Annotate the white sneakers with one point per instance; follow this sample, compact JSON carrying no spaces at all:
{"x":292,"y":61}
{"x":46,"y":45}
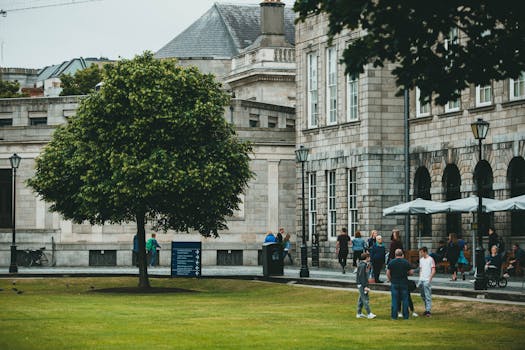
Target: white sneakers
{"x":370,"y":316}
{"x":360,"y":316}
{"x":414,"y":314}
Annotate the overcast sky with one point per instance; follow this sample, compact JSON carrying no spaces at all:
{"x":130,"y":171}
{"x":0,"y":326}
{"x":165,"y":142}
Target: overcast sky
{"x":38,"y":37}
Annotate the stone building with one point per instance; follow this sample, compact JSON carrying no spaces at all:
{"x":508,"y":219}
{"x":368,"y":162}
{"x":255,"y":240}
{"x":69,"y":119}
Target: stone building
{"x":355,"y":127}
{"x":263,"y":115}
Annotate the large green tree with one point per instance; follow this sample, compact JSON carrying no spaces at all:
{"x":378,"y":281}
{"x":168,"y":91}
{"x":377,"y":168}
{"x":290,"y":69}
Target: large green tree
{"x":82,"y":82}
{"x":412,"y":34}
{"x":151,"y":146}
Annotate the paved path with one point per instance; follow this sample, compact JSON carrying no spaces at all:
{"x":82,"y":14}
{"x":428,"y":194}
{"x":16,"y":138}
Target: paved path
{"x":515,"y":291}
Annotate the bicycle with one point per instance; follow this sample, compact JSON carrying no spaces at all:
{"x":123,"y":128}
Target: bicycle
{"x":30,"y":257}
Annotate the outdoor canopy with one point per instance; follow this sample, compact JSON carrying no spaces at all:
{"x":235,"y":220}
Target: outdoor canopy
{"x":463,"y":205}
{"x":514,"y":203}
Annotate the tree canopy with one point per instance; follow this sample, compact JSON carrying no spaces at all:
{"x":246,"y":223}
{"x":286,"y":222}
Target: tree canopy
{"x":9,"y":89}
{"x":82,"y":82}
{"x":416,"y":36}
{"x":151,"y":146}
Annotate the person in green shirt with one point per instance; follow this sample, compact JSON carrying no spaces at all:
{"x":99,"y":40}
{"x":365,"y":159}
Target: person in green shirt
{"x":151,"y":249}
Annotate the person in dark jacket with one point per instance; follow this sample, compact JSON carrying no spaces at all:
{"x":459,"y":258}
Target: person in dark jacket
{"x":452,"y":254}
{"x":377,"y":255}
{"x":361,"y":278}
{"x":395,"y":243}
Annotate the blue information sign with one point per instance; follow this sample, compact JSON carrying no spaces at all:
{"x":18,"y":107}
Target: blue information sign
{"x":186,"y":259}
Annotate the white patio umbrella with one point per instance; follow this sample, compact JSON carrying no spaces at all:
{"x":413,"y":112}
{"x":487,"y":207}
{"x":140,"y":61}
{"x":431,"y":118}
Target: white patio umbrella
{"x":514,"y":203}
{"x":417,"y":206}
{"x":464,"y":205}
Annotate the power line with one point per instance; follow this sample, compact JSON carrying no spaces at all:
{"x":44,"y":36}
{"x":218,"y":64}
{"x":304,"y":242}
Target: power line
{"x":4,"y":13}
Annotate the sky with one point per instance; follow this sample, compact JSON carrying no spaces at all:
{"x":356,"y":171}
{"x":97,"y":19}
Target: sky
{"x":37,"y":37}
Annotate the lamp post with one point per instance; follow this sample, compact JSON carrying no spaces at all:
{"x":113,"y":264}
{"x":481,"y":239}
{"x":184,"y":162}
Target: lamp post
{"x":15,"y":162}
{"x":301,"y":155}
{"x":480,"y":129}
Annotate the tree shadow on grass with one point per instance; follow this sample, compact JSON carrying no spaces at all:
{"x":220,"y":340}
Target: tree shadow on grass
{"x":140,"y":290}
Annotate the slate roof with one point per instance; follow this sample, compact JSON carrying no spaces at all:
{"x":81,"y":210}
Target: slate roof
{"x":67,"y":67}
{"x":222,"y":32}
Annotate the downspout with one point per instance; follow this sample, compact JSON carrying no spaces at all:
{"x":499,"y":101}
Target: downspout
{"x":407,"y":166}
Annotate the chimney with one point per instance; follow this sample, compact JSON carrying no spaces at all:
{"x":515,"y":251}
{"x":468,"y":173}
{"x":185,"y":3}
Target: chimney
{"x":272,"y":17}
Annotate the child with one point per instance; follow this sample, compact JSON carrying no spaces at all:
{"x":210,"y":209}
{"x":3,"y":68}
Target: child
{"x":362,"y":284}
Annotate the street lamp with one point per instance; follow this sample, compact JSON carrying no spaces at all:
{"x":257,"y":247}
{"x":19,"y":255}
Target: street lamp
{"x":480,"y":129}
{"x":301,"y":155}
{"x":15,"y":162}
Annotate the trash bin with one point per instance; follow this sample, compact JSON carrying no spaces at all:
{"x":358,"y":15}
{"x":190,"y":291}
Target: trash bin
{"x":272,"y":259}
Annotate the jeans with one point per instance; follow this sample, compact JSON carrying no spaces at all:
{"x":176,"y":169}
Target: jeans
{"x":153,"y":257}
{"x":426,"y":294}
{"x":399,"y":292}
{"x":363,"y":301}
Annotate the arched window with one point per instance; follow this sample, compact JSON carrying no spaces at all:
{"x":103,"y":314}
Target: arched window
{"x":483,"y":181}
{"x":422,"y":190}
{"x":452,"y":190}
{"x":516,"y":179}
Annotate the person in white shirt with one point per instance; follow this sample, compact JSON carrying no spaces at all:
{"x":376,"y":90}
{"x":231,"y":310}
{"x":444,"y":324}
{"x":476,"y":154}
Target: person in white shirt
{"x":427,"y":270}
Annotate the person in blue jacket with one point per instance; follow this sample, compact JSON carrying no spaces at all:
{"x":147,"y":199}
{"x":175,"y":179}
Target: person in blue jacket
{"x":358,"y":247}
{"x":270,"y":238}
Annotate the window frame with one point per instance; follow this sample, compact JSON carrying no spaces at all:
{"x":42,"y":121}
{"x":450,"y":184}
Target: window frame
{"x":352,"y":98}
{"x":512,"y":82}
{"x":479,"y":88}
{"x":312,"y":204}
{"x":419,"y":106}
{"x":312,"y":94}
{"x":331,"y":199}
{"x":331,"y":85}
{"x":353,"y":220}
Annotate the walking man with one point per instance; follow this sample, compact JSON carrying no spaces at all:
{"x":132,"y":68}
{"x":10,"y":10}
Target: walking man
{"x":397,"y":273}
{"x":427,"y":270}
{"x":341,"y":248}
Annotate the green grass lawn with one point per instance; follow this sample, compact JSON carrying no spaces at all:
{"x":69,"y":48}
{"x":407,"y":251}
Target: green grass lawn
{"x":64,"y":313}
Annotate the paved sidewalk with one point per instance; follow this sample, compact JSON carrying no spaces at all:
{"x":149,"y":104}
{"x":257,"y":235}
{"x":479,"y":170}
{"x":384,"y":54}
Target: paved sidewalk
{"x":515,"y":291}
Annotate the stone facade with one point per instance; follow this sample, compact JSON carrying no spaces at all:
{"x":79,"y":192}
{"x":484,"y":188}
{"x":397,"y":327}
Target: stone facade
{"x":357,"y":151}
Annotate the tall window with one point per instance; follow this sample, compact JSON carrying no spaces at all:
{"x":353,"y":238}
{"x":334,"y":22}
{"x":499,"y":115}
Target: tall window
{"x":422,"y":190}
{"x":332,"y":213}
{"x":483,"y":95}
{"x":422,"y":107}
{"x":312,"y":207}
{"x":352,"y":201}
{"x":331,"y":85}
{"x":313,"y":97}
{"x":517,"y":87}
{"x":352,"y":97}
{"x":452,"y":186}
{"x":516,"y":179}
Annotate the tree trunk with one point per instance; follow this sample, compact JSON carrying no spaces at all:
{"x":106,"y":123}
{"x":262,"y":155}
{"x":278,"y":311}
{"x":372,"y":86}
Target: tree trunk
{"x":142,"y":258}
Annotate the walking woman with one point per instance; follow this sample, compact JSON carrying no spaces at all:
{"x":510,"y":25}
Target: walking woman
{"x":358,"y":247}
{"x":377,"y":255}
{"x":452,"y":254}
